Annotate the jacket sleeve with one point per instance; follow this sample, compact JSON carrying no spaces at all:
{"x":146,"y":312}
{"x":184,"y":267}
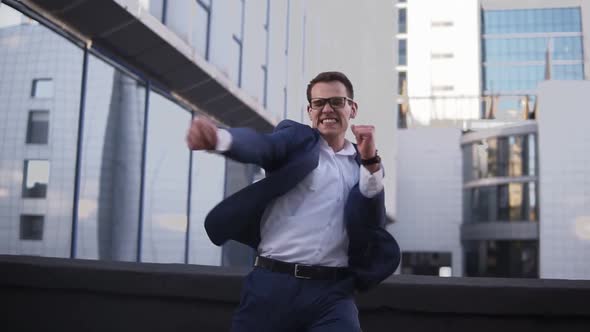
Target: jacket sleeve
{"x":265,"y":150}
{"x":373,"y":254}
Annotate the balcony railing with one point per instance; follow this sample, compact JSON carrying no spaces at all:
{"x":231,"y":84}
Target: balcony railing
{"x":464,"y":111}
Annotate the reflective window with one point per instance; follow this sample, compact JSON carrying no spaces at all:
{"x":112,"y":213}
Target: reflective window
{"x":532,"y":20}
{"x":42,"y":88}
{"x":166,"y":182}
{"x":402,"y":21}
{"x":509,"y":259}
{"x":237,"y":38}
{"x":401,"y":81}
{"x":402,"y":52}
{"x":39,"y":71}
{"x":38,"y":127}
{"x":499,"y":157}
{"x":506,"y":202}
{"x":512,"y":49}
{"x":200,"y":27}
{"x":208,"y":188}
{"x":35,"y":179}
{"x":516,"y":63}
{"x":427,"y":263}
{"x":31,"y":227}
{"x":108,"y":212}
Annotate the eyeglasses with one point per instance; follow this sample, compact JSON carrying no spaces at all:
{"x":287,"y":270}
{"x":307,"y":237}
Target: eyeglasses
{"x":335,"y":102}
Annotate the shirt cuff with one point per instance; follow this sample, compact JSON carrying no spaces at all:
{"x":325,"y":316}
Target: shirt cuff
{"x":370,"y":184}
{"x":224,"y":140}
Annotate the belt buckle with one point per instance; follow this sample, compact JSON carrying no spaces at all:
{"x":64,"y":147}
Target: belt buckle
{"x":296,"y":272}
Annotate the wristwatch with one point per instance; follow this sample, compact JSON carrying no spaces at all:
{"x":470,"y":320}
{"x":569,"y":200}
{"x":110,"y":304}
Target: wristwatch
{"x":371,"y":161}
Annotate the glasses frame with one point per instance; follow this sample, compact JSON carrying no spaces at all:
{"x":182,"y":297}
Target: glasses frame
{"x":329,"y":102}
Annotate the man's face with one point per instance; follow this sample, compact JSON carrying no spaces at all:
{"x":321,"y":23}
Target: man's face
{"x":331,"y":122}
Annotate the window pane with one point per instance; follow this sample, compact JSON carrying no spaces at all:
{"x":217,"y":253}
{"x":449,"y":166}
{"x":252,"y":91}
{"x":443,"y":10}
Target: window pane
{"x":31,"y":227}
{"x":208,"y":188}
{"x":516,"y":162}
{"x":166,"y":186}
{"x":516,"y":202}
{"x":426,"y":263}
{"x":36,"y":178}
{"x":402,"y":25}
{"x":402,"y":52}
{"x":39,"y":71}
{"x":42,"y":88}
{"x":511,"y":259}
{"x":111,"y":164}
{"x":401,"y":81}
{"x":38,"y":127}
{"x":199,"y":29}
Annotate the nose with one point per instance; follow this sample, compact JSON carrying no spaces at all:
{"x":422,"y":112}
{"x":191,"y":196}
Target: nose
{"x":327,"y":108}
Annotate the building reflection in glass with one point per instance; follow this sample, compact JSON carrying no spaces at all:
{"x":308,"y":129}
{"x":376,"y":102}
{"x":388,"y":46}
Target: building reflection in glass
{"x":502,"y":258}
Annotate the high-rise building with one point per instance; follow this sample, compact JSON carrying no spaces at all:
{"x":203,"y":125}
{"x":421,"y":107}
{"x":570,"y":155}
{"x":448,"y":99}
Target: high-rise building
{"x":472,"y":59}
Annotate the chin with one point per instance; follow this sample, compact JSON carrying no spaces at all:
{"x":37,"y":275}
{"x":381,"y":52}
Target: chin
{"x":330,"y":131}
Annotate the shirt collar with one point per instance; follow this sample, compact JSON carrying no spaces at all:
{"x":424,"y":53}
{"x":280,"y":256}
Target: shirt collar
{"x":347,"y":150}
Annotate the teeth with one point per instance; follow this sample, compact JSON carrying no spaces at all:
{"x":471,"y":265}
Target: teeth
{"x":329,"y":120}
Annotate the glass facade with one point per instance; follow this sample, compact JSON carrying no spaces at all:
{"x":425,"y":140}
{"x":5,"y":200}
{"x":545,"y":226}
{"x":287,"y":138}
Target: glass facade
{"x":108,"y":213}
{"x":500,"y":204}
{"x":134,"y":201}
{"x":510,"y":202}
{"x":532,"y":20}
{"x":508,"y":259}
{"x":427,"y":263}
{"x":166,"y":182}
{"x":523,"y":47}
{"x":402,"y":21}
{"x":510,"y":162}
{"x":500,"y":156}
{"x":402,"y":52}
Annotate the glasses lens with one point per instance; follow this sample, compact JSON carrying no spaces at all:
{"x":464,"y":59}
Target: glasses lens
{"x":337,"y":102}
{"x":318,"y":103}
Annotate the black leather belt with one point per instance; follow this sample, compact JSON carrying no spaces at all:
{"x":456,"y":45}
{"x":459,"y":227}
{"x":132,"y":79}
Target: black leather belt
{"x":302,"y":271}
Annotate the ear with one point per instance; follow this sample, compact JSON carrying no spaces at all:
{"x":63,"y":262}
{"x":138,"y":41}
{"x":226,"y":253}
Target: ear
{"x":353,"y":109}
{"x":309,"y":113}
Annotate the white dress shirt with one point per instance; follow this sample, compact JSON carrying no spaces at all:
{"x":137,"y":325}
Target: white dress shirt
{"x":306,"y":225}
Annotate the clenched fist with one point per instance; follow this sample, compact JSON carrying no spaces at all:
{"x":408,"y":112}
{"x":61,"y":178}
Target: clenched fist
{"x":365,"y":141}
{"x":202,"y":134}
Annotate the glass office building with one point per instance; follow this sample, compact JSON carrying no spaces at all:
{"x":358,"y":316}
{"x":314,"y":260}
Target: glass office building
{"x":93,"y":159}
{"x":500,"y":232}
{"x":522,"y":47}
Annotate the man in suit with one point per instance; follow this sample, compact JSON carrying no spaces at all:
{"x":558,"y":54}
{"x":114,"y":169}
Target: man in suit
{"x":316,"y":220}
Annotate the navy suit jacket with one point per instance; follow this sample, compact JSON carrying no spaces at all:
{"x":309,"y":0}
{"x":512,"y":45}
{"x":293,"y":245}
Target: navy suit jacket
{"x":288,"y":155}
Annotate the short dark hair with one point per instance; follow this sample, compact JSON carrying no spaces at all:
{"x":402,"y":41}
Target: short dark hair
{"x":331,"y":76}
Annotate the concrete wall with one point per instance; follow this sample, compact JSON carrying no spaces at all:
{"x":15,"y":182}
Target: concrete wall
{"x":564,"y":163}
{"x":429,"y":194}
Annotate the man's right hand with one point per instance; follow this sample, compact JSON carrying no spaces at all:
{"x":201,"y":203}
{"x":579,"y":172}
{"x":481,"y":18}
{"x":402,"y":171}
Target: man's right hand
{"x":202,"y":134}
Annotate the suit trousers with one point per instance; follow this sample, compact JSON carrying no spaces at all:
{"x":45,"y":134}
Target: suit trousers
{"x":272,"y":301}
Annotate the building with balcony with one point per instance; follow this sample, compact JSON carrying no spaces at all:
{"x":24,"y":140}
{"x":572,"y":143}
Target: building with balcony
{"x":475,"y":59}
{"x":492,"y":55}
{"x":97,"y":96}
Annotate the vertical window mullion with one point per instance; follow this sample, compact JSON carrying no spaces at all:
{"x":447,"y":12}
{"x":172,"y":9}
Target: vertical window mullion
{"x":75,"y":208}
{"x":142,"y":176}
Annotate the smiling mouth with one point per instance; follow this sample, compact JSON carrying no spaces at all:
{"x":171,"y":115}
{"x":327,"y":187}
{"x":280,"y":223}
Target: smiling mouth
{"x":329,"y":121}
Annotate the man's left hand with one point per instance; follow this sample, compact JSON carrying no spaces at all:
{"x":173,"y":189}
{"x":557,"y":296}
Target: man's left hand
{"x":365,"y":140}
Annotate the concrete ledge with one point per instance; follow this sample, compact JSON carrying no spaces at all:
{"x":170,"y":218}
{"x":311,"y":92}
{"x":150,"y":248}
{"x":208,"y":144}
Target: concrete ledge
{"x":64,"y":294}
